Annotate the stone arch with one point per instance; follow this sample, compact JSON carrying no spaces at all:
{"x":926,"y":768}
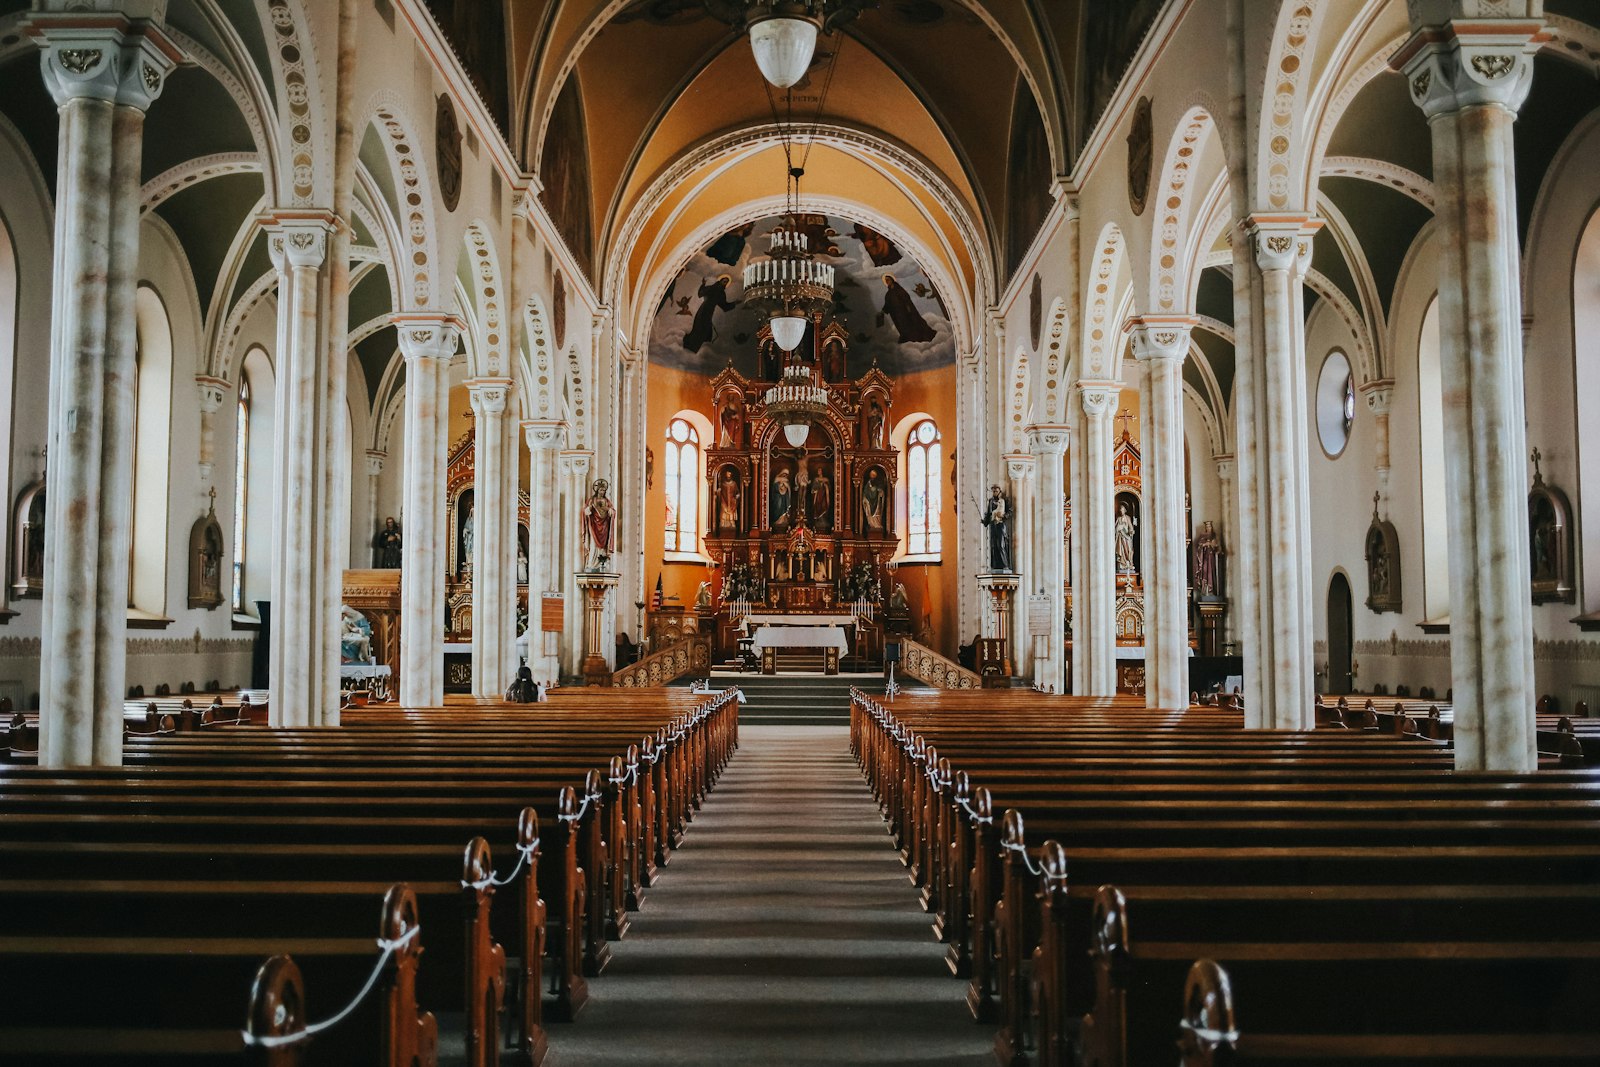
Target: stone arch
{"x":417,"y":254}
{"x":295,"y":70}
{"x":1101,"y":331}
{"x":541,"y":360}
{"x":484,"y":269}
{"x":1019,"y":414}
{"x":1172,"y":256}
{"x":1053,"y":364}
{"x":577,"y":394}
{"x":1283,"y":148}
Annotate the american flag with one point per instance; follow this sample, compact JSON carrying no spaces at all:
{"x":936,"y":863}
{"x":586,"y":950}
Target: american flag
{"x":655,"y":601}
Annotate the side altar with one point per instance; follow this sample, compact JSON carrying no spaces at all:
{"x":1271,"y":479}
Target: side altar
{"x":802,"y":519}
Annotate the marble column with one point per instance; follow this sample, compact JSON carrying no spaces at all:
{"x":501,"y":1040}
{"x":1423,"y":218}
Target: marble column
{"x":1280,"y":648}
{"x":1161,"y":344}
{"x":103,"y":73}
{"x":1380,"y":397}
{"x":1049,"y":447}
{"x":1094,"y":590}
{"x":428,"y":342}
{"x":1228,"y":531}
{"x":1019,"y":472}
{"x":494,"y":578}
{"x":575,"y":466}
{"x":303,"y":673}
{"x":375,"y":458}
{"x":544,"y":570}
{"x":630,"y":486}
{"x":1470,"y":77}
{"x":209,"y":394}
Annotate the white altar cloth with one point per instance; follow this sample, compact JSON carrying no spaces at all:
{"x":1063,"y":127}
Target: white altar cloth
{"x":799,"y":637}
{"x":754,"y":619}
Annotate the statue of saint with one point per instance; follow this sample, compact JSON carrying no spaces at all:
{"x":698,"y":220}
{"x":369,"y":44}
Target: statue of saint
{"x":779,"y":500}
{"x":728,"y":501}
{"x":730,"y":425}
{"x":1207,"y":559}
{"x":599,"y":528}
{"x":386,"y":544}
{"x":875,"y":427}
{"x":467,"y":539}
{"x":355,"y":636}
{"x":522,"y":566}
{"x":821,"y":500}
{"x":702,"y":599}
{"x":899,"y":604}
{"x":873,"y":499}
{"x":1126,"y":527}
{"x":997,"y":517}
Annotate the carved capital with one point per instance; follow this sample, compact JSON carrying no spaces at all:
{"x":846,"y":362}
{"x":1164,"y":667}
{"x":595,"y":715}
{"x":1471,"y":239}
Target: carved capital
{"x":490,"y":396}
{"x":544,"y":436}
{"x":299,"y":239}
{"x":211,"y":392}
{"x":1225,"y":467}
{"x":1483,"y":58}
{"x":375,"y":458}
{"x":1048,"y":440}
{"x":1019,"y":468}
{"x":576,"y":462}
{"x":103,"y":57}
{"x":428,"y":335}
{"x":1379,"y":395}
{"x":1099,"y":399}
{"x":1161,"y":337}
{"x":1282,"y":242}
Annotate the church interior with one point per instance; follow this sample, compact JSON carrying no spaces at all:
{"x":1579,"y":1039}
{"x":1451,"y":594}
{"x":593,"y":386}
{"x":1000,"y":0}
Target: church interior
{"x":1122,"y":592}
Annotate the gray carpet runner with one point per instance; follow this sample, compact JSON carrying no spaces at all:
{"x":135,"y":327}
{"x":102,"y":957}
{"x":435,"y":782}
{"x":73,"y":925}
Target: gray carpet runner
{"x":784,"y":932}
{"x":795,"y":699}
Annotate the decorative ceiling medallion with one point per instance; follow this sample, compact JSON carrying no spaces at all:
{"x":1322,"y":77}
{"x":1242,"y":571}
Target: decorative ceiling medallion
{"x":558,"y":309}
{"x":447,"y":151}
{"x":1140,"y":156}
{"x":1035,"y":311}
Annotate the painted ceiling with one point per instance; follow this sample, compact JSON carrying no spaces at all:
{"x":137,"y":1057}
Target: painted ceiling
{"x":703,"y":325}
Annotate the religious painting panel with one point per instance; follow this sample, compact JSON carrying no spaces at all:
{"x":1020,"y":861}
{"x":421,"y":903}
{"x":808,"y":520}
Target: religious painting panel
{"x":564,"y":175}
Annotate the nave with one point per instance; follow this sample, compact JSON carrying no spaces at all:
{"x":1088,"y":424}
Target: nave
{"x":785,"y":932}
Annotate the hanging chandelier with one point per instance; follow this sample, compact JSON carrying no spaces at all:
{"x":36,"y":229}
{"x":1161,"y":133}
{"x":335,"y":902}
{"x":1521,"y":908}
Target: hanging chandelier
{"x":788,"y":286}
{"x":795,"y":402}
{"x":783,"y":33}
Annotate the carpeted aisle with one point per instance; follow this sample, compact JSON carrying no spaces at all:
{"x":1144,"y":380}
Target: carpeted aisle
{"x":783,"y":932}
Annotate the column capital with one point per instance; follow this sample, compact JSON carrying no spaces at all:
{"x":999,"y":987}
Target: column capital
{"x":299,"y":238}
{"x":576,"y":461}
{"x":1019,"y":467}
{"x":544,"y":435}
{"x":1098,"y":398}
{"x":1161,"y":337}
{"x":1225,"y":465}
{"x":1379,"y":395}
{"x":1048,"y":439}
{"x":1282,"y":242}
{"x":428,"y":334}
{"x":211,"y":392}
{"x":1455,"y":59}
{"x":375,"y":458}
{"x":490,"y":396}
{"x":103,"y":56}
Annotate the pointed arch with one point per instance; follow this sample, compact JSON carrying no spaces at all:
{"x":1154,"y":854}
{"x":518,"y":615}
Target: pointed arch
{"x":1176,"y":231}
{"x":1053,"y":366}
{"x":1283,"y":171}
{"x":1102,"y":332}
{"x":1019,"y":402}
{"x":417,"y":256}
{"x":541,"y":359}
{"x":488,"y":355}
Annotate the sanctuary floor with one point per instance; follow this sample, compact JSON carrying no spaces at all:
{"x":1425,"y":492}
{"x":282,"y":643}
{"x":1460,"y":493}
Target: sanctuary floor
{"x":784,"y":932}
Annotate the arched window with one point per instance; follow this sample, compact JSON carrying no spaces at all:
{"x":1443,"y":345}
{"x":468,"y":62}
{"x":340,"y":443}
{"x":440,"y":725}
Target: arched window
{"x":683,"y":487}
{"x":241,"y":491}
{"x":924,"y":500}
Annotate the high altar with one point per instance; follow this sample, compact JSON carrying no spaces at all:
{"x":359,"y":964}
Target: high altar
{"x":802,"y":530}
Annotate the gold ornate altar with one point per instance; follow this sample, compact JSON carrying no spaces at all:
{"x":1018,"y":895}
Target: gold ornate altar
{"x":459,"y":498}
{"x":808,"y":528}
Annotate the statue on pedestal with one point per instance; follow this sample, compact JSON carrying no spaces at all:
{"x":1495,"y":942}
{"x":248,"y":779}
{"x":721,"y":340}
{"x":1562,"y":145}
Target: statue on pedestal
{"x":599,"y":529}
{"x":386,"y":544}
{"x":997,"y":517}
{"x":1207,"y":562}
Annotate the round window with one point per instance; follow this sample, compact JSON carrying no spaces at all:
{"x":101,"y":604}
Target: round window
{"x":1335,"y":404}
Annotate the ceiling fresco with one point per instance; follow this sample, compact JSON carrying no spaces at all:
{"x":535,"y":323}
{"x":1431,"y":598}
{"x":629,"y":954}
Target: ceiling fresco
{"x":882,"y":297}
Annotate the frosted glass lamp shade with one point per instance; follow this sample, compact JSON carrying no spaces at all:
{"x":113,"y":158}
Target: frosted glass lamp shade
{"x":788,"y":331}
{"x":796,"y":433}
{"x":783,"y":48}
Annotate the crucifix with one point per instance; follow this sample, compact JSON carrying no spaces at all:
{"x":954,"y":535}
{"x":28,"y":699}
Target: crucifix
{"x":1125,"y":418}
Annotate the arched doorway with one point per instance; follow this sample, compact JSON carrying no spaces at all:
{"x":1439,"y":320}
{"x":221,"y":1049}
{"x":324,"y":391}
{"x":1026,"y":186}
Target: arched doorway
{"x":1341,"y":624}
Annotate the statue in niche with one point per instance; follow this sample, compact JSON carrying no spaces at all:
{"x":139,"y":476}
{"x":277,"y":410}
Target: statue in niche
{"x":780,"y":500}
{"x":821,"y":497}
{"x":522,"y":565}
{"x":730,"y":501}
{"x":899,"y":604}
{"x":468,"y":539}
{"x":732,"y":420}
{"x":874,"y":426}
{"x":702,"y":597}
{"x":28,"y":525}
{"x":386,"y":544}
{"x":599,"y":528}
{"x":205,"y":560}
{"x":1127,"y":528}
{"x":997,"y":517}
{"x":1383,"y":563}
{"x":1550,"y":540}
{"x":874,"y":500}
{"x":1208,"y":562}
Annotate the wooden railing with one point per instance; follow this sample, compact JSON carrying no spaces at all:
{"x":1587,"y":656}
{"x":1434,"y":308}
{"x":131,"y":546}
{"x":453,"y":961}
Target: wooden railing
{"x":692,"y":655}
{"x":926,"y":665}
